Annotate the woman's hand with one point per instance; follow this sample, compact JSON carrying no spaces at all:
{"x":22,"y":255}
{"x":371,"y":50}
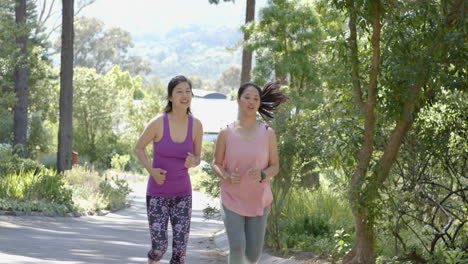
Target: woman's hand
{"x":159,"y":175}
{"x":233,"y":177}
{"x":191,"y":161}
{"x":255,"y":174}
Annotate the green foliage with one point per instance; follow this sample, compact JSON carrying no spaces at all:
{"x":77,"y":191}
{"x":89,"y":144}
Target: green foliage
{"x":390,"y":260}
{"x":286,"y":41}
{"x":48,"y":160}
{"x":51,"y":188}
{"x":456,"y":256}
{"x":102,"y":49}
{"x":229,"y":81}
{"x":44,"y":185}
{"x":305,"y":226}
{"x":203,"y":177}
{"x":35,"y":61}
{"x":115,"y":192}
{"x":211,"y":212}
{"x":11,"y":164}
{"x":431,"y":164}
{"x":6,"y":126}
{"x":33,"y":206}
{"x":119,"y":162}
{"x":105,"y":114}
{"x":92,"y":192}
{"x":310,"y":222}
{"x":342,"y":242}
{"x":39,"y":137}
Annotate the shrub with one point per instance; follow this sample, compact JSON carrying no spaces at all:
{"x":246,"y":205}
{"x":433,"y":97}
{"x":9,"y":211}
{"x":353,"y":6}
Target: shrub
{"x":92,"y":192}
{"x":12,"y":164}
{"x":115,"y":193}
{"x":28,"y":186}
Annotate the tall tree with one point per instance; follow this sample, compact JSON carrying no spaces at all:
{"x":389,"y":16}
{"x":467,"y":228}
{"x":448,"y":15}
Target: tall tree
{"x":65,"y":134}
{"x":415,"y":61}
{"x":246,"y":54}
{"x":100,"y":48}
{"x":48,"y":15}
{"x":229,"y":80}
{"x":13,"y":56}
{"x":21,"y":79}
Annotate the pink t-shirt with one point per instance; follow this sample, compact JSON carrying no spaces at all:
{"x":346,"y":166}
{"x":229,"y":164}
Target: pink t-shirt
{"x":249,"y":197}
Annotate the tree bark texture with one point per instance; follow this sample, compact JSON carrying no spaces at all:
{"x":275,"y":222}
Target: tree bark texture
{"x":362,"y":251}
{"x":246,"y":54}
{"x":65,"y":135}
{"x":20,"y":79}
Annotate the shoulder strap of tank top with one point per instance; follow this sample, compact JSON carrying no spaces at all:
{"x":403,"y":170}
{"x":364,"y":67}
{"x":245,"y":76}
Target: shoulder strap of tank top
{"x":190,"y":128}
{"x":166,"y":131}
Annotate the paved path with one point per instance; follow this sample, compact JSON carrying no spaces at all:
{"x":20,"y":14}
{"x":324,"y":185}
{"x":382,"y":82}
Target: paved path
{"x":120,"y":237}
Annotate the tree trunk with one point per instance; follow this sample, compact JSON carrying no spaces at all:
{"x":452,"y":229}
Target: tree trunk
{"x":20,"y":79}
{"x":246,"y":54}
{"x":65,"y":135}
{"x":362,"y":252}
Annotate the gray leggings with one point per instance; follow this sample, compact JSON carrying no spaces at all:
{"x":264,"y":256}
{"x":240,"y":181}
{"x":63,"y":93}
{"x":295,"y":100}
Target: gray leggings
{"x":245,"y":235}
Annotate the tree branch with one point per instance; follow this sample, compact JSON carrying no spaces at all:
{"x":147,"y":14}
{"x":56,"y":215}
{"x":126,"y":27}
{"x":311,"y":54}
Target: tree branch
{"x":396,"y":136}
{"x":352,"y":40}
{"x":365,"y":152}
{"x":457,"y":10}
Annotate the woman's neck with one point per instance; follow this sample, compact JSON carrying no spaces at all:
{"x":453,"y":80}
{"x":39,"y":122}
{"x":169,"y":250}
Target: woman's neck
{"x":247,"y":122}
{"x":178,"y":114}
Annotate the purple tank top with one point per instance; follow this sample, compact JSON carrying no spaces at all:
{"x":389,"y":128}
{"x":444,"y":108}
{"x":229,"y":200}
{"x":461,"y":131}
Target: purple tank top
{"x":170,"y":156}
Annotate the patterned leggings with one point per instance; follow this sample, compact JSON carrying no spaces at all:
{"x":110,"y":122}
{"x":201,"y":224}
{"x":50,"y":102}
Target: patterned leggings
{"x":179,"y":210}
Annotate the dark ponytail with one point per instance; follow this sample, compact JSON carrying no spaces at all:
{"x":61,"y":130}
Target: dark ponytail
{"x":270,"y":98}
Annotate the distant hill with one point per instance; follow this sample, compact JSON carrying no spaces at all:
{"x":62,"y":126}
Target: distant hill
{"x":190,"y":50}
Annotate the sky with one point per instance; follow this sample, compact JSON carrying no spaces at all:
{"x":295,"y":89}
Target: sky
{"x":141,"y":17}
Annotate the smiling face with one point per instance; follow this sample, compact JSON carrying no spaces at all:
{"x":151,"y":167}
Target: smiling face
{"x":181,"y":95}
{"x":249,"y":101}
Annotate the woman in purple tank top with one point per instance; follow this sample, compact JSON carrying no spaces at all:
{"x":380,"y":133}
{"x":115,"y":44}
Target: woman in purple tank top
{"x":246,"y":158}
{"x":177,"y":139}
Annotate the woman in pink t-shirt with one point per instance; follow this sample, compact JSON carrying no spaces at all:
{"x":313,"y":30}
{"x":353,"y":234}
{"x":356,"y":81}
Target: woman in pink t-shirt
{"x":246,"y":158}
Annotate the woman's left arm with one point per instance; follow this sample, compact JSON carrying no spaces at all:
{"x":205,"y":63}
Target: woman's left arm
{"x":193,"y":159}
{"x":197,"y":143}
{"x":273,"y":159}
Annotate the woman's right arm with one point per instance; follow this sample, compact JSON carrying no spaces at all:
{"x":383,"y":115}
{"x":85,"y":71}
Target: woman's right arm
{"x":148,"y":135}
{"x":218,"y":159}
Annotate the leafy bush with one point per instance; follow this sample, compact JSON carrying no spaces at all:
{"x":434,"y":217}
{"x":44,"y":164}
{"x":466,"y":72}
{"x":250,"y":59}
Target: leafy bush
{"x":92,"y":192}
{"x":28,"y":186}
{"x":115,"y":193}
{"x":119,"y":162}
{"x":50,"y":187}
{"x":48,"y":160}
{"x":456,"y":256}
{"x":310,"y":222}
{"x":203,"y":177}
{"x":33,"y":206}
{"x":304,"y":228}
{"x":39,"y":139}
{"x":6,"y":126}
{"x":12,"y":164}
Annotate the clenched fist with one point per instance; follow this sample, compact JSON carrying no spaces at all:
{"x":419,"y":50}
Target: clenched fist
{"x":159,"y":175}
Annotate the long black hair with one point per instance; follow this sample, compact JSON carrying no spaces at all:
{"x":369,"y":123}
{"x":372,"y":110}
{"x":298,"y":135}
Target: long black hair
{"x":270,"y":97}
{"x":170,"y":88}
